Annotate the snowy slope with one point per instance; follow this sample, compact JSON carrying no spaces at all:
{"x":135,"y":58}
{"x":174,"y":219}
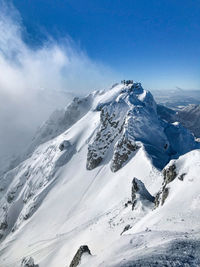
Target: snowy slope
{"x":76,"y":187}
{"x":189,"y":116}
{"x":18,"y":127}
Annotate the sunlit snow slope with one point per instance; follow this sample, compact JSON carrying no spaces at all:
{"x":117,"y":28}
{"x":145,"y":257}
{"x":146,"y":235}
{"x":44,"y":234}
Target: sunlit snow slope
{"x":77,"y":187}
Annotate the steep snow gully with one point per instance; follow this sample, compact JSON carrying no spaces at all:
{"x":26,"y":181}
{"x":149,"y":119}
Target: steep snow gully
{"x":109,"y":181}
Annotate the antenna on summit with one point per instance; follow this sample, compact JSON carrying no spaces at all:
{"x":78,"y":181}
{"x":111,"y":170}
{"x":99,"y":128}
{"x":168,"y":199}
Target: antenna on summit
{"x":127,"y":82}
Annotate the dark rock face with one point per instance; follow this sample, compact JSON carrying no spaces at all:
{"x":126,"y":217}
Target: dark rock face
{"x":157,"y":199}
{"x":13,"y":192}
{"x":169,"y":175}
{"x":181,"y":177}
{"x":129,"y":202}
{"x":77,"y":258}
{"x":93,"y":159}
{"x":109,"y":130}
{"x":28,"y":262}
{"x":3,"y":225}
{"x":64,"y":145}
{"x":165,"y":194}
{"x":126,"y":228}
{"x":123,"y":149}
{"x":139,"y":192}
{"x":4,"y":220}
{"x":10,"y":197}
{"x":67,"y":150}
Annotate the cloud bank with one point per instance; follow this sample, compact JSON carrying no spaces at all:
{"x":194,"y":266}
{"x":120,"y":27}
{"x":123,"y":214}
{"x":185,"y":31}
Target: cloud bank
{"x":34,"y":81}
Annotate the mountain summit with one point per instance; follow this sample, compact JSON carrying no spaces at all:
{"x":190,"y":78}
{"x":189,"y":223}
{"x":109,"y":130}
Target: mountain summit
{"x":128,"y":121}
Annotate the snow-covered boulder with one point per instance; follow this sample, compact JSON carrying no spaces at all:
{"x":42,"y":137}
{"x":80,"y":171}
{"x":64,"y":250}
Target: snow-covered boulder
{"x":64,"y":145}
{"x":140,"y":194}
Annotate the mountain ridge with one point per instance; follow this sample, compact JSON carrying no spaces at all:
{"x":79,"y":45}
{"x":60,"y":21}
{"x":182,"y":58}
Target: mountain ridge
{"x":52,"y":203}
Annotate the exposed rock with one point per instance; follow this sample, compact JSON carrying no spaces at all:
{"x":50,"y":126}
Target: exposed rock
{"x":68,"y":151}
{"x":165,"y":194}
{"x":157,"y":199}
{"x":93,"y":159}
{"x":30,"y":209}
{"x":28,"y":262}
{"x":169,"y":174}
{"x":126,"y":228}
{"x":123,"y":149}
{"x":3,"y":225}
{"x":139,"y":192}
{"x":13,"y":192}
{"x":181,"y":177}
{"x":77,"y":258}
{"x":27,"y":195}
{"x":10,"y":196}
{"x":130,"y":119}
{"x":64,"y":145}
{"x":110,"y":127}
{"x":3,"y":221}
{"x":129,"y":202}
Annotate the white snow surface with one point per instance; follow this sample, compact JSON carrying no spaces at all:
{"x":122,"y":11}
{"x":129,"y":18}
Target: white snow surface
{"x":51,"y":204}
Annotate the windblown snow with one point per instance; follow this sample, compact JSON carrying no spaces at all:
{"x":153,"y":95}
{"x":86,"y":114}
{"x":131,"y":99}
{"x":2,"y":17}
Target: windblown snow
{"x":106,"y":182}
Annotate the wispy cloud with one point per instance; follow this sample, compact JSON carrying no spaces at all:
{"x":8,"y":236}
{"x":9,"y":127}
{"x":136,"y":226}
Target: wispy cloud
{"x":27,"y":74}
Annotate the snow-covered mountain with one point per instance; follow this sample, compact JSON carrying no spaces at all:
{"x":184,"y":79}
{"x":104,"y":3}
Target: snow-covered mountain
{"x":18,"y":127}
{"x":92,"y":190}
{"x":189,"y":116}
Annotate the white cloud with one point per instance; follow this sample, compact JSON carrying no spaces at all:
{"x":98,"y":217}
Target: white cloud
{"x":29,"y":75}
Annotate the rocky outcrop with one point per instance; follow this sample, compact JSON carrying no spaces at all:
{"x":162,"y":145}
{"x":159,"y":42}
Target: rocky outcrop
{"x":13,"y":192}
{"x":3,"y":224}
{"x":83,"y":250}
{"x":131,"y":119}
{"x":64,"y":145}
{"x":3,"y":220}
{"x":169,"y":174}
{"x":28,"y":262}
{"x":122,"y":152}
{"x":67,"y":150}
{"x":111,"y":126}
{"x":140,"y":193}
{"x":126,"y":228}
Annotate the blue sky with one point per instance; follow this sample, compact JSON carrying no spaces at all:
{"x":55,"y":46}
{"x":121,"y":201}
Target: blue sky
{"x":156,"y":42}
